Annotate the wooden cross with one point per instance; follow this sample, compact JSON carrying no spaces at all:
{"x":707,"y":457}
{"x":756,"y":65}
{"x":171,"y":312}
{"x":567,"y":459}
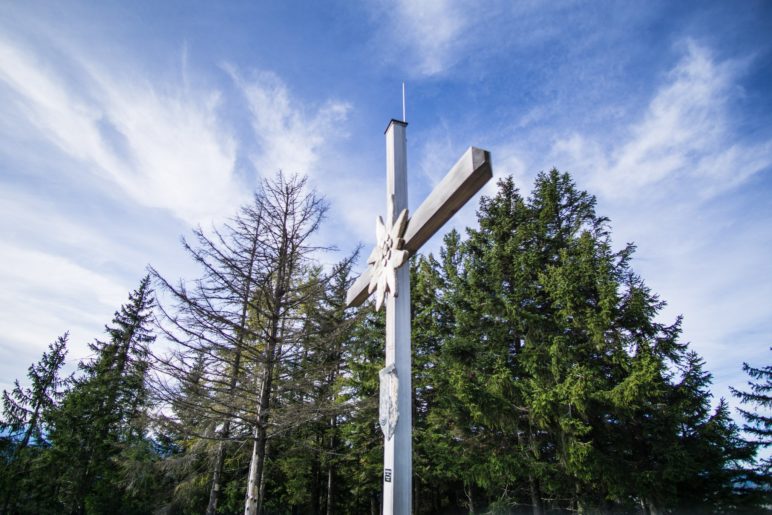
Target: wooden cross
{"x":399,"y":237}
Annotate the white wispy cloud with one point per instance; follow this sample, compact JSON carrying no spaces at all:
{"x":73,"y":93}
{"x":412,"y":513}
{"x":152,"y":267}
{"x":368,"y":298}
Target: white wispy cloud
{"x":64,"y":272}
{"x":290,"y":135}
{"x":685,"y":136}
{"x":424,"y":37}
{"x":123,"y":141}
{"x":162,"y":145}
{"x":44,"y":295}
{"x":453,"y":38}
{"x":434,"y":29}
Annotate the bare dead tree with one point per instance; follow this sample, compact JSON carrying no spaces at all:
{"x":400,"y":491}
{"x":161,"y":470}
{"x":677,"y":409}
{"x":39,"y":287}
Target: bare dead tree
{"x":242,"y":319}
{"x":292,"y":216}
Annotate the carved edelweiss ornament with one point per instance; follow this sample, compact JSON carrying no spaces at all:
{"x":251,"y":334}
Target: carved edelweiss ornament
{"x":386,"y":257}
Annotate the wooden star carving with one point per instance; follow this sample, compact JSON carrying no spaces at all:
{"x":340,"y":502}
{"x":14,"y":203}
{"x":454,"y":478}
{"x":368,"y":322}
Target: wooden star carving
{"x":386,"y":257}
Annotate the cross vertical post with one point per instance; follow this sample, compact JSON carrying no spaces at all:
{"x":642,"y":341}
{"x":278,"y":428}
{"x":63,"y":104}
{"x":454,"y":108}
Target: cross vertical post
{"x":398,"y":450}
{"x":397,"y":238}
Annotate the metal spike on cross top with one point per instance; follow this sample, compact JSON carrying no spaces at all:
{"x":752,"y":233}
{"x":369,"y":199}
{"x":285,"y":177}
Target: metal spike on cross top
{"x":398,"y":237}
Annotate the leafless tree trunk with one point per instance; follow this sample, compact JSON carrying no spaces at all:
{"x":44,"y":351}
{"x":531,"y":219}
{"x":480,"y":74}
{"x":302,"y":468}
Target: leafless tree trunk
{"x":330,"y":467}
{"x":536,"y":502}
{"x":253,"y":486}
{"x":243,"y":317}
{"x":292,"y":215}
{"x":212,"y":319}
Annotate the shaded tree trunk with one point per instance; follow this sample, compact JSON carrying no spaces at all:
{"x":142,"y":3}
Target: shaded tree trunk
{"x":291,"y":217}
{"x":253,"y":485}
{"x":257,"y":462}
{"x":536,"y":502}
{"x":219,"y":460}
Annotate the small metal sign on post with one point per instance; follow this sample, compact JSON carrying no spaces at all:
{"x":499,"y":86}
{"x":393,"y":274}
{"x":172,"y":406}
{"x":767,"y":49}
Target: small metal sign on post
{"x":398,"y":237}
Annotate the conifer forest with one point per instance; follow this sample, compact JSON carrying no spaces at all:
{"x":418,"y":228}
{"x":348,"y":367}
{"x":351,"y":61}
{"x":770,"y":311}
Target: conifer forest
{"x":544,"y":381}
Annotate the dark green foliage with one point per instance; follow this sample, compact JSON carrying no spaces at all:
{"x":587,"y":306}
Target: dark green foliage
{"x":758,"y":423}
{"x":544,"y":382}
{"x":24,"y":428}
{"x":25,"y":410}
{"x":98,"y":434}
{"x":362,"y":459}
{"x":306,"y":456}
{"x":560,"y":388}
{"x":86,"y":449}
{"x":757,"y":413}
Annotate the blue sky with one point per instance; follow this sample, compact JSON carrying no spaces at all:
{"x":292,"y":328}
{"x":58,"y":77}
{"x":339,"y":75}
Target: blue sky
{"x":125,"y":124}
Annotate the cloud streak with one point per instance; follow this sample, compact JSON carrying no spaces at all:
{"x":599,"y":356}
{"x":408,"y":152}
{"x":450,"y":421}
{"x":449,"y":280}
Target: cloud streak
{"x":434,"y":31}
{"x":424,"y":38}
{"x":44,"y":295}
{"x":685,"y":142}
{"x":163,"y":148}
{"x":290,"y":136}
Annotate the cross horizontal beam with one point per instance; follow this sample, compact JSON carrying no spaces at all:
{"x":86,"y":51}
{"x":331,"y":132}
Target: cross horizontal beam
{"x":467,"y":176}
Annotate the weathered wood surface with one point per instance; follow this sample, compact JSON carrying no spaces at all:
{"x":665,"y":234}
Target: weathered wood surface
{"x":461,"y":183}
{"x":398,"y":448}
{"x":357,"y":294}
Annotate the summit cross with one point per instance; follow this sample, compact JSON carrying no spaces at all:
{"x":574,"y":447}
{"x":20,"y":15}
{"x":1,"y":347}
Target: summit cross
{"x":398,"y":238}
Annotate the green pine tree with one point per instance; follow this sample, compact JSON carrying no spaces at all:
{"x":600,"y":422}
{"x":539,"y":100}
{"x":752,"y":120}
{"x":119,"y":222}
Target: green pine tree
{"x":25,"y":424}
{"x":100,"y":426}
{"x":24,"y":409}
{"x":359,"y":429}
{"x":758,"y":421}
{"x":558,"y":381}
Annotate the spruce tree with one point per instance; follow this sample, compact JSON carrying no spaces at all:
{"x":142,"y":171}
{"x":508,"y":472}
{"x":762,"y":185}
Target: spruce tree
{"x":185,"y":455}
{"x":758,"y":416}
{"x":758,"y":423}
{"x":25,"y":409}
{"x":450,"y":454}
{"x":559,"y":381}
{"x":25,"y":425}
{"x":305,"y":455}
{"x":208,"y":320}
{"x":103,"y":416}
{"x":359,"y":429}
